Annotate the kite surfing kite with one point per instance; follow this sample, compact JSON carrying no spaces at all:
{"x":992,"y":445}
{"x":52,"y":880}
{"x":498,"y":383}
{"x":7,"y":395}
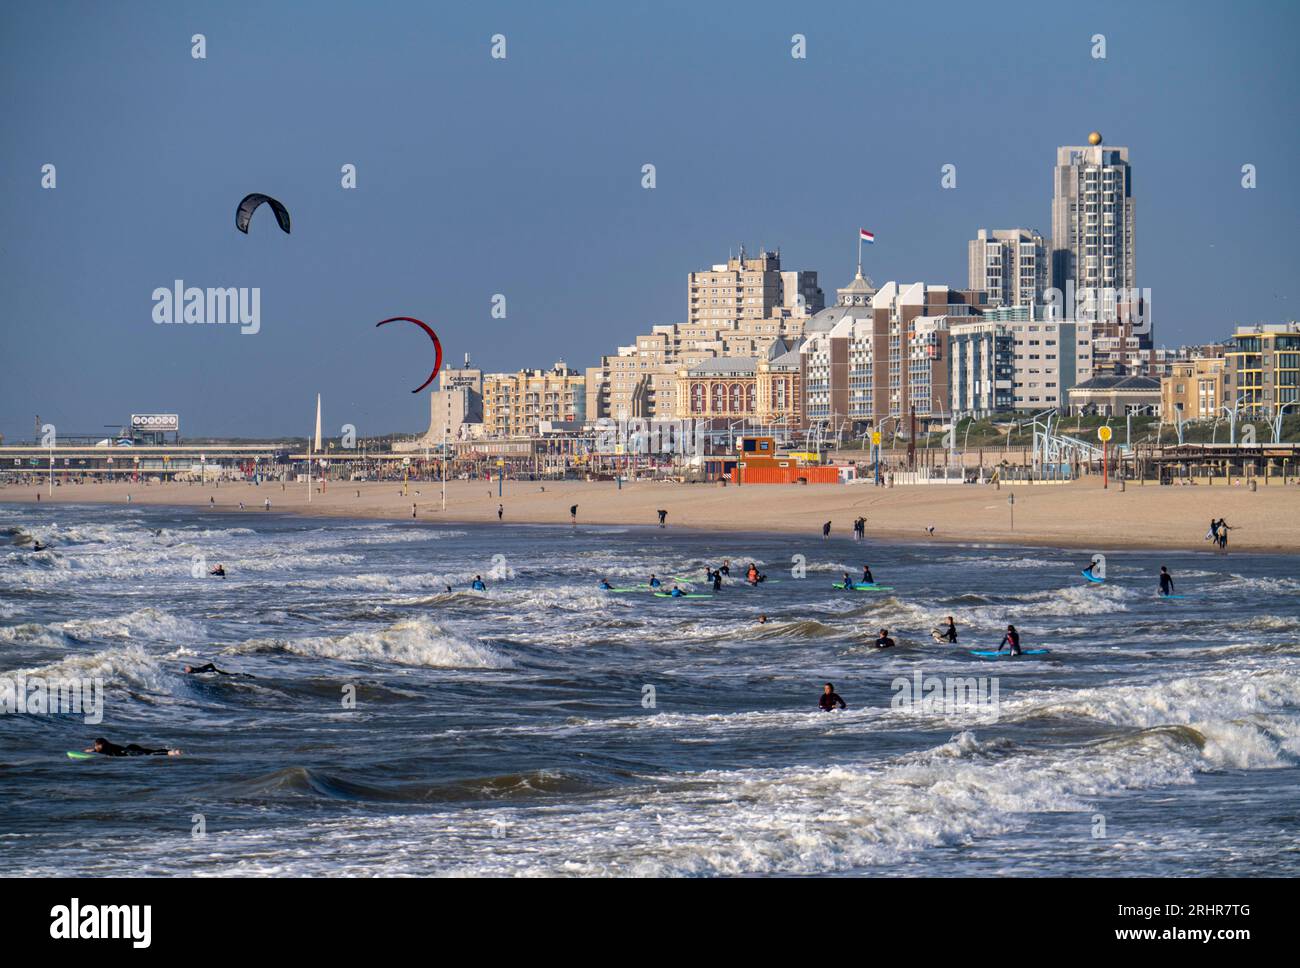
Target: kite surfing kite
{"x":437,"y":362}
{"x":244,"y":213}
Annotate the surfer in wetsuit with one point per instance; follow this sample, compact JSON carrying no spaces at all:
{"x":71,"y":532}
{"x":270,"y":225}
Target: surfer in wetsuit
{"x":847,"y":582}
{"x":604,"y":583}
{"x":655,"y":582}
{"x":573,"y":513}
{"x":662,"y":516}
{"x":477,"y":584}
{"x":209,"y":667}
{"x":826,"y":530}
{"x":1166,"y":581}
{"x":1012,"y":639}
{"x":866,"y":575}
{"x":37,"y":546}
{"x":883,"y":641}
{"x":105,"y":748}
{"x":218,"y":572}
{"x":726,"y":567}
{"x":717,"y":581}
{"x":830,"y":699}
{"x":677,"y":592}
{"x":947,"y":633}
{"x":752,"y":576}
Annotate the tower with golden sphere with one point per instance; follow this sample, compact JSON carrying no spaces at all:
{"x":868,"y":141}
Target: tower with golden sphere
{"x":1093,"y":225}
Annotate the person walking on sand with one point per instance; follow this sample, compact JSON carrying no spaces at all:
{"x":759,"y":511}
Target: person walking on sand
{"x":1224,"y":528}
{"x":662,"y":517}
{"x":266,"y":505}
{"x":412,"y":509}
{"x":573,"y":513}
{"x":826,"y":530}
{"x":501,"y":510}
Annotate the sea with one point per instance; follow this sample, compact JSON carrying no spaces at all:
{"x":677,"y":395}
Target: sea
{"x":380,"y":724}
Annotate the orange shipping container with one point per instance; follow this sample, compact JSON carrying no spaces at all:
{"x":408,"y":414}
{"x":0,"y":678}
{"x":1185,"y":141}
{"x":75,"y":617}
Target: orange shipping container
{"x":784,"y":475}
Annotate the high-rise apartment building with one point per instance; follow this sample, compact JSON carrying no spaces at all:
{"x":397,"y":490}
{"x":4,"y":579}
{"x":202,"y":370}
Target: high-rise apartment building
{"x":1093,"y":223}
{"x":877,"y":354}
{"x":744,"y":288}
{"x":1048,"y":356}
{"x":1012,"y":266}
{"x":738,"y":309}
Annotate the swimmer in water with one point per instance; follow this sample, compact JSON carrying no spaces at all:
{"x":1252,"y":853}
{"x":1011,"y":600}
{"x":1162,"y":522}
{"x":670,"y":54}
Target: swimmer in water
{"x":478,"y":585}
{"x":883,"y":641}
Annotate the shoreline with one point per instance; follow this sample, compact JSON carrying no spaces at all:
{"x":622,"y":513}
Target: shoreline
{"x":1079,"y":515}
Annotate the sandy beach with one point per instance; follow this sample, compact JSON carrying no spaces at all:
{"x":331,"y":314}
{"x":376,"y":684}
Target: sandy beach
{"x":1078,"y":515}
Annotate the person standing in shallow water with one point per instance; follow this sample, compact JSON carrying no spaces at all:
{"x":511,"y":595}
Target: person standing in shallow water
{"x":830,"y":699}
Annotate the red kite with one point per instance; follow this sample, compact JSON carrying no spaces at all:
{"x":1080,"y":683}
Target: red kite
{"x":437,"y":364}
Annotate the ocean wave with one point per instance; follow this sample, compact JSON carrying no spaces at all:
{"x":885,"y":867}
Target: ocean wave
{"x":416,"y":642}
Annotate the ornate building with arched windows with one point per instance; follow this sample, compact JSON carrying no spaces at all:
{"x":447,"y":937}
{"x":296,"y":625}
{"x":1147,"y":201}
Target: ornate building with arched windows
{"x":765,"y":390}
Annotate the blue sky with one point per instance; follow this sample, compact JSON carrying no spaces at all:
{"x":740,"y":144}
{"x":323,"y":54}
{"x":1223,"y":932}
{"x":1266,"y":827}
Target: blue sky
{"x":523,"y":177}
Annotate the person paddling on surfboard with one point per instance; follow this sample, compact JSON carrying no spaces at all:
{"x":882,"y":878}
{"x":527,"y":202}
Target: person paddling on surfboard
{"x":830,"y":699}
{"x":883,"y":641}
{"x":1012,"y":638}
{"x":677,"y":592}
{"x":105,"y":748}
{"x":1166,"y":581}
{"x":655,"y":582}
{"x":847,"y":582}
{"x":604,"y":583}
{"x":209,"y":667}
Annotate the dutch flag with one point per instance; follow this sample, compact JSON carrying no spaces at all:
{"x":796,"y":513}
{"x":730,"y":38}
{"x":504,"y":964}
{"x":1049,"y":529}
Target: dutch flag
{"x":866,"y":236}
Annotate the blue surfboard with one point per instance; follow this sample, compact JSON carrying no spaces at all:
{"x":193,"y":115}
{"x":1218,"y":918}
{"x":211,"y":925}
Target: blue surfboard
{"x":990,"y":654}
{"x":1092,"y":577}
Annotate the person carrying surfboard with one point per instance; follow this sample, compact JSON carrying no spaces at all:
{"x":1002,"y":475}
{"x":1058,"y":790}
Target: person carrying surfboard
{"x":1166,"y":581}
{"x":1012,"y":639}
{"x":947,"y":633}
{"x":104,"y":748}
{"x":830,"y":699}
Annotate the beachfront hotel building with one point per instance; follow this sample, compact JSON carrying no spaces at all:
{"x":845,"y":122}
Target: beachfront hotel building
{"x":1093,"y":220}
{"x":744,"y":288}
{"x":1048,"y":355}
{"x":515,"y":404}
{"x":1262,"y":369}
{"x":1011,"y":266}
{"x":981,"y":368}
{"x":755,"y":304}
{"x":758,"y":389}
{"x":879,"y":353}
